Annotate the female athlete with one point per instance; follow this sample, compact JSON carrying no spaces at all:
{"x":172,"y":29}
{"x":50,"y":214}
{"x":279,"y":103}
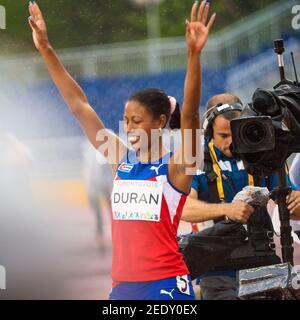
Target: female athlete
{"x":151,"y":183}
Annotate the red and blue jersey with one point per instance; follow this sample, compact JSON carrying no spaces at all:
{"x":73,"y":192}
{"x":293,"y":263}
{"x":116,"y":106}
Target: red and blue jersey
{"x":146,"y":211}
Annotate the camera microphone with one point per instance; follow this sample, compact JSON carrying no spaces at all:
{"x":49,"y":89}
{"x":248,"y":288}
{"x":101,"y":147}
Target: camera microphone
{"x":279,"y":49}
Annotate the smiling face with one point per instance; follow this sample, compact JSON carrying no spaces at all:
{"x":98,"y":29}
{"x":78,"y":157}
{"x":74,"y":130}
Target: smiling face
{"x":138,"y":124}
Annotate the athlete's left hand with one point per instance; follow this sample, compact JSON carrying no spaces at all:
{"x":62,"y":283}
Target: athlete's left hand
{"x":293,"y":202}
{"x":198,"y":29}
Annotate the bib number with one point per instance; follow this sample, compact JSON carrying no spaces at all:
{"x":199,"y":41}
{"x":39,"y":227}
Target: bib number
{"x":183,"y":284}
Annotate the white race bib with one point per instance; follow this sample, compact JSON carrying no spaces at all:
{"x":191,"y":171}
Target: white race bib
{"x":183,"y":284}
{"x":136,"y":200}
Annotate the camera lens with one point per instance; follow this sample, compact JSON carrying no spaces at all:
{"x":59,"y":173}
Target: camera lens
{"x":254,"y":133}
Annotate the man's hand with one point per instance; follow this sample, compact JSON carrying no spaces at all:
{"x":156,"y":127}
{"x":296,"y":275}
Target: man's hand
{"x":238,"y":211}
{"x":293,"y":202}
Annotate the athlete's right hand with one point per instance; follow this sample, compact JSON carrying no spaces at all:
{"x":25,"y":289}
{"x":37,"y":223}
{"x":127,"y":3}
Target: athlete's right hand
{"x":238,"y":211}
{"x":38,"y":26}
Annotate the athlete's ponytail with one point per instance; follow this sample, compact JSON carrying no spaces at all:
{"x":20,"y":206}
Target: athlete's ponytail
{"x":174,"y":122}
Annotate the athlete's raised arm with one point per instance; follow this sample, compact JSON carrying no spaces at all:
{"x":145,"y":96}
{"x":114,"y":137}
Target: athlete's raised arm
{"x":197,"y":31}
{"x":72,"y":93}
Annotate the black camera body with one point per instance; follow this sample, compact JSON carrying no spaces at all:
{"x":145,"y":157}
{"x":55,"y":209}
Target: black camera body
{"x":268,"y":130}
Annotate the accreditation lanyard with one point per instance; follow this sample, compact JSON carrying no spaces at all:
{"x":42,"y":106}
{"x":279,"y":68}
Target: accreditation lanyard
{"x":218,"y":172}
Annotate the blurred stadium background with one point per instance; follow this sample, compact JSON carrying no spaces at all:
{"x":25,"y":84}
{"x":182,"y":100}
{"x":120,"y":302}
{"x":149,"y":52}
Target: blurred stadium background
{"x":113,"y":49}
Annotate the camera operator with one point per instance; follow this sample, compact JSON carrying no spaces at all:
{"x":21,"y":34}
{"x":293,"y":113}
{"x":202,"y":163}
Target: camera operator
{"x":214,"y":189}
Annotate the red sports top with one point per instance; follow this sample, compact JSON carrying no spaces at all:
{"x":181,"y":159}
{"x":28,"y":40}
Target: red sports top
{"x":146,"y":211}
